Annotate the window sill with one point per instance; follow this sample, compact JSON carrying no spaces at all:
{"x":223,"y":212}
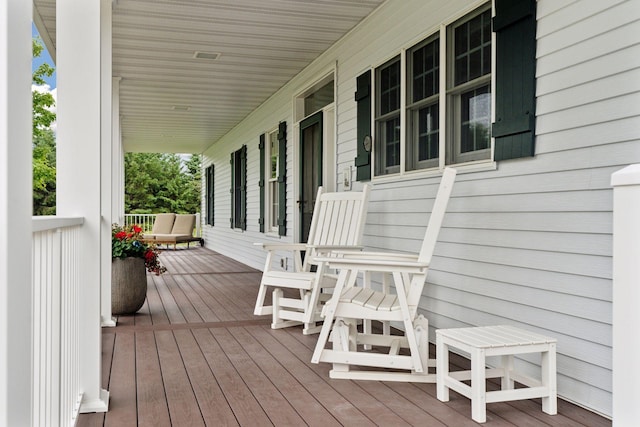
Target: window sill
{"x":477,"y":166}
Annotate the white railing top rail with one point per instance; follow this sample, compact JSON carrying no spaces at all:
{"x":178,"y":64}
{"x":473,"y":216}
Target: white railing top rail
{"x":42,"y":223}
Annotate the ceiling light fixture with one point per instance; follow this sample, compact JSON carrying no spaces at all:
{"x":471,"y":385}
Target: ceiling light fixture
{"x":181,"y":108}
{"x":206,"y":55}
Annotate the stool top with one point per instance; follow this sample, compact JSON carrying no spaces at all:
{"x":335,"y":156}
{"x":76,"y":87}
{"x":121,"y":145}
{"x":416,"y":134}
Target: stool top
{"x":494,"y":336}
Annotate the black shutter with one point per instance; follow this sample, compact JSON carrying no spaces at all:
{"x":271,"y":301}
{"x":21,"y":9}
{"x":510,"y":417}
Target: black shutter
{"x":515,"y":28}
{"x":282,"y":179}
{"x":261,"y":182}
{"x":233,"y":182}
{"x":210,"y":194}
{"x":243,"y":187}
{"x":363,"y":99}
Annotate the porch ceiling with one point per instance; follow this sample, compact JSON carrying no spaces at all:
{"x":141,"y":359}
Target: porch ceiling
{"x":173,"y":102}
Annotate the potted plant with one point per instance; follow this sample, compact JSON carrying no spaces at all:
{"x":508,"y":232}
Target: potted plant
{"x":131,"y":258}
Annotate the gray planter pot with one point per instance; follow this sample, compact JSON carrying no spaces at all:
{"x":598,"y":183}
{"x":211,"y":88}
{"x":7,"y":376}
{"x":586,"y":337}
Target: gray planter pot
{"x":128,"y":285}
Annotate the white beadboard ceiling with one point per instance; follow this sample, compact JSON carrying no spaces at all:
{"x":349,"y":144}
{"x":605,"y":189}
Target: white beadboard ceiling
{"x":173,"y":102}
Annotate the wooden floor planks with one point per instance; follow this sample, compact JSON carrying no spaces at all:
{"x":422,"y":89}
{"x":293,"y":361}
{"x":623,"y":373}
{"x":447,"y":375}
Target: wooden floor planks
{"x":195,"y":355}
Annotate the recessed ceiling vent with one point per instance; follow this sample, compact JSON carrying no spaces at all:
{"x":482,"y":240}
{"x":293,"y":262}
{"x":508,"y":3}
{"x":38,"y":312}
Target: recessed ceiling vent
{"x":206,"y":55}
{"x":181,"y":107}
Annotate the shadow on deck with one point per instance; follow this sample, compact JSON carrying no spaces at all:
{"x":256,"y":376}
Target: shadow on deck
{"x":196,"y":355}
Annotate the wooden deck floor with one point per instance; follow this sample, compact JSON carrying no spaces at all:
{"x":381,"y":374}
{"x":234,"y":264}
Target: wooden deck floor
{"x":195,"y":355}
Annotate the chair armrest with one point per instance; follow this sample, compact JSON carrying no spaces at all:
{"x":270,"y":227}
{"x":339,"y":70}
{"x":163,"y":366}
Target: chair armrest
{"x":374,"y":263}
{"x":282,"y":246}
{"x":398,"y":256}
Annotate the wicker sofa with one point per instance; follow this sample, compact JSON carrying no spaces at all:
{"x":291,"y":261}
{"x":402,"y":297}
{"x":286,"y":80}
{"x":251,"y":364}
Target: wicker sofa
{"x":171,"y":229}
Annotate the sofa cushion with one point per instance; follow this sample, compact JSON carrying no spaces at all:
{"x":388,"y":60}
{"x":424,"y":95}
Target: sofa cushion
{"x":163,"y":223}
{"x":184,"y":225}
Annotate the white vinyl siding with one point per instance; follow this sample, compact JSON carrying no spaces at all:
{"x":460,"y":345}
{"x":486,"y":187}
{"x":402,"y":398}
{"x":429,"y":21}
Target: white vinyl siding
{"x":528,"y":243}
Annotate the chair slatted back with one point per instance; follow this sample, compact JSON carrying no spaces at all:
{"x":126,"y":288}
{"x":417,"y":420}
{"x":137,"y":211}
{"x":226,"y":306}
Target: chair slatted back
{"x":431,"y":236}
{"x":338,"y":219}
{"x":437,"y":215}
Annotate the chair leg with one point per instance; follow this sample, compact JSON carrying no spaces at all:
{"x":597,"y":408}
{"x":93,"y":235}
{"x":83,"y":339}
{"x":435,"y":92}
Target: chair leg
{"x":260,"y":309}
{"x":422,"y":336}
{"x":277,"y":322}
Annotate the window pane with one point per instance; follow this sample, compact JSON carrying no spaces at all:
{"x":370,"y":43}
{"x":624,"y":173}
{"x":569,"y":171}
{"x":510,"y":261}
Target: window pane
{"x":319,"y":99}
{"x":273,"y":154}
{"x":425,"y":77}
{"x":472,"y":47}
{"x":273,"y":194}
{"x":392,"y":142}
{"x":475,"y":119}
{"x":390,"y":88}
{"x":428,"y":130}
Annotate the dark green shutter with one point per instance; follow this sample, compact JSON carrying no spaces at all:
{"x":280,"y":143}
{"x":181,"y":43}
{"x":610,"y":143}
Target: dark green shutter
{"x":261,"y":183}
{"x":363,"y":100}
{"x":210,"y":194}
{"x":282,"y":179}
{"x":233,"y":182}
{"x":515,"y":28}
{"x":243,"y":187}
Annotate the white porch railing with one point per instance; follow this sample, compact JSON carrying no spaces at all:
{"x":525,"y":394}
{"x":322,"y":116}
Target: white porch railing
{"x":146,"y":222}
{"x":626,"y":295}
{"x":56,"y":343}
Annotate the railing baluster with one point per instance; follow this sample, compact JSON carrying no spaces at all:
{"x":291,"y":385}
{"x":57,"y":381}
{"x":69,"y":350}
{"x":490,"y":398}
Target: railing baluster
{"x":56,"y":385}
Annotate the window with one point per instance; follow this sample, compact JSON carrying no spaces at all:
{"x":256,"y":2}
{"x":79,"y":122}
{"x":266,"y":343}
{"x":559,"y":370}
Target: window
{"x":423,"y":109}
{"x":238,"y":188}
{"x":318,"y":99}
{"x":272,"y":180}
{"x":465,"y":100}
{"x":469,"y":87}
{"x":388,"y":118}
{"x":209,"y":175}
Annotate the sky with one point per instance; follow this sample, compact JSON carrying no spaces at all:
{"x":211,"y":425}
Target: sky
{"x":44,"y":57}
{"x":50,"y":85}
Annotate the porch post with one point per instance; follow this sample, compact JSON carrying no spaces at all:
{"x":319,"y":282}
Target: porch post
{"x":15,"y":213}
{"x":107,"y":170}
{"x":79,"y":184}
{"x":117,"y":157}
{"x":626,"y":295}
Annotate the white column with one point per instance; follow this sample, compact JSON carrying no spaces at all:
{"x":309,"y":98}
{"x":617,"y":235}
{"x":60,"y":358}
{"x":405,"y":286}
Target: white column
{"x":106,"y":161}
{"x":78,"y":167}
{"x":15,"y":213}
{"x":117,"y":157}
{"x":626,"y":295}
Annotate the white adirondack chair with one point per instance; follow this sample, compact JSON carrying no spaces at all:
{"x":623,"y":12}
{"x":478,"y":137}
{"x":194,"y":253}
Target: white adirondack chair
{"x":337,"y":223}
{"x":351,"y":302}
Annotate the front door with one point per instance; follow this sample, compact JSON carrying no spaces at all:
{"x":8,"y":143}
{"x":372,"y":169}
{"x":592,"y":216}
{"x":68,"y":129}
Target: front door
{"x":310,"y":169}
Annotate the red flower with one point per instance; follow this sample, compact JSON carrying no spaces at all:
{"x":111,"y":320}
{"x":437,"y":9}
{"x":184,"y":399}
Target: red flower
{"x":149,"y":256}
{"x":137,"y":229}
{"x":120,"y":235}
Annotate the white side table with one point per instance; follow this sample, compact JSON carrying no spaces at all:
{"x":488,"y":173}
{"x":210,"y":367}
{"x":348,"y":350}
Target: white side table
{"x":505,"y":341}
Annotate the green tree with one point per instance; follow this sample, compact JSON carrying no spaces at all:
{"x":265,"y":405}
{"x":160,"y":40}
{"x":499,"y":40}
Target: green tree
{"x":44,"y":143}
{"x":157,"y":183}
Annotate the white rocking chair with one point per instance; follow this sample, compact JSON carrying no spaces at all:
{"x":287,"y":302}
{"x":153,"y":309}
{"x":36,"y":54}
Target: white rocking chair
{"x":337,"y":223}
{"x":351,"y":303}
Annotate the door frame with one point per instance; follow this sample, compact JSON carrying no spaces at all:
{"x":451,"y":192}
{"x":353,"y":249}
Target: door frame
{"x":313,"y":119}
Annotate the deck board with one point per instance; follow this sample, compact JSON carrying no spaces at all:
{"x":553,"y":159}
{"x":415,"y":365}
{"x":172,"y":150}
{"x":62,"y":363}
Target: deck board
{"x":195,"y":354}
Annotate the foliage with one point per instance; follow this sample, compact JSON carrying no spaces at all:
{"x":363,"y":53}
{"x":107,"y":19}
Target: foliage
{"x":127,"y":242}
{"x":156,"y":183}
{"x":44,"y":173}
{"x":44,"y":142}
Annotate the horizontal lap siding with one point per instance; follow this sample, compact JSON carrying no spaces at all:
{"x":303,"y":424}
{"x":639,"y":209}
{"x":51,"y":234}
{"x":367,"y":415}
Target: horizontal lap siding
{"x":527,"y":244}
{"x":530,"y":243}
